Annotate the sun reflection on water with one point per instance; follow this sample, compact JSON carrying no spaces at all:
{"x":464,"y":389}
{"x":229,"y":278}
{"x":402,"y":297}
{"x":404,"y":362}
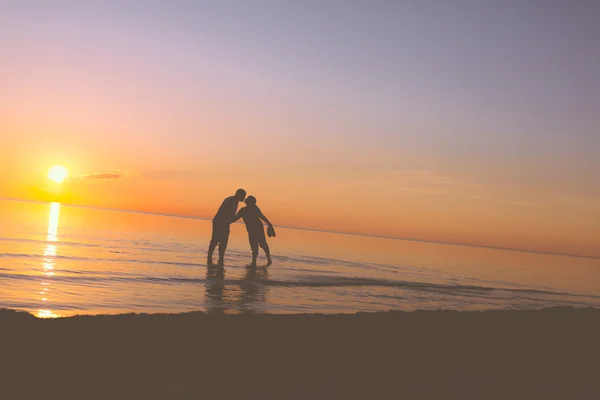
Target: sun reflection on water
{"x":49,"y":263}
{"x":53,"y":222}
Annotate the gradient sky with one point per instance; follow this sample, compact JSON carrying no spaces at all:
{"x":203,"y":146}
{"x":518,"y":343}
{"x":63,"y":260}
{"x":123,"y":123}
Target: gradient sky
{"x":459,"y":121}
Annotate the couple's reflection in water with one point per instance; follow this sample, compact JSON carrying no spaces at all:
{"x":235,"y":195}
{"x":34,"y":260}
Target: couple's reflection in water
{"x":245,"y":295}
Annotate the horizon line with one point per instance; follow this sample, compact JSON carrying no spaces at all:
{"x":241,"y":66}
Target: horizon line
{"x":316,"y":230}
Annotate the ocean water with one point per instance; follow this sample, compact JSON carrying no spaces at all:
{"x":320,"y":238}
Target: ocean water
{"x":57,"y":260}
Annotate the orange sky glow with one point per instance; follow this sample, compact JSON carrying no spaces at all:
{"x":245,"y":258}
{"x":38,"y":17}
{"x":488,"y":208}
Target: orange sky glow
{"x":391,"y":136}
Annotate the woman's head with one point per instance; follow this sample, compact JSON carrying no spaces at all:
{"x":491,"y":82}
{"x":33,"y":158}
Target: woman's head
{"x":250,"y":201}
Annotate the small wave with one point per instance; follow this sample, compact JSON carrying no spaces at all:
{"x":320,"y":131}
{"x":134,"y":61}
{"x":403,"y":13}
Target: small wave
{"x":41,"y":241}
{"x":360,"y":282}
{"x":99,"y":259}
{"x":110,"y":245}
{"x":284,"y":259}
{"x":321,"y":282}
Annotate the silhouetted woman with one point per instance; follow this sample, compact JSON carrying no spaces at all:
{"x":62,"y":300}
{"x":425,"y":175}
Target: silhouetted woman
{"x":252,"y":217}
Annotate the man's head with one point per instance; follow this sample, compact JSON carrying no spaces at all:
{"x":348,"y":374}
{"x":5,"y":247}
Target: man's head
{"x":240,"y":195}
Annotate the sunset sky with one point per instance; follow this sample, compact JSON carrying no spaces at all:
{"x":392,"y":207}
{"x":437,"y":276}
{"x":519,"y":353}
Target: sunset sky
{"x":473,"y":122}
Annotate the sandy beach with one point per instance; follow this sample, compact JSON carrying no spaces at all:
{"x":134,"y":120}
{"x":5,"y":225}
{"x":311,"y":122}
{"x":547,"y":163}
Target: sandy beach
{"x":545,"y":354}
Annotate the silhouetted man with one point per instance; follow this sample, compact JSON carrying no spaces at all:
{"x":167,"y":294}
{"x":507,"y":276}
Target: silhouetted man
{"x":221,"y":222}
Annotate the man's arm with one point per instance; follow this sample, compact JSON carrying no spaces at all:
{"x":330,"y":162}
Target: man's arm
{"x":238,"y":215}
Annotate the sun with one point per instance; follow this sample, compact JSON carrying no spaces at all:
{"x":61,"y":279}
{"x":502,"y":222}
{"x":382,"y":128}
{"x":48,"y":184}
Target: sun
{"x":58,"y":173}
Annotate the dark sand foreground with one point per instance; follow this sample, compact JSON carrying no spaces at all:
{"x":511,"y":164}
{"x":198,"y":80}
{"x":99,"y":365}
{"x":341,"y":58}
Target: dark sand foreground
{"x":547,"y":354}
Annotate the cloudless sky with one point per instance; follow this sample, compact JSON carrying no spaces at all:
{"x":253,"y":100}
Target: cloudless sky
{"x":459,"y":121}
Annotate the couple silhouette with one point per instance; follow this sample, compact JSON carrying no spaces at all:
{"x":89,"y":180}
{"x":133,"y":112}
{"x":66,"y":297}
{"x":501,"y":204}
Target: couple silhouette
{"x":252,"y":217}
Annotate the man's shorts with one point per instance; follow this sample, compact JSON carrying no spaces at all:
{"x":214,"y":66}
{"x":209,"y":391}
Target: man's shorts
{"x":220,"y":233}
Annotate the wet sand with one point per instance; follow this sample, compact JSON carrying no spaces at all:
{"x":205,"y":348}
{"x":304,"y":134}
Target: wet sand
{"x":546,"y":354}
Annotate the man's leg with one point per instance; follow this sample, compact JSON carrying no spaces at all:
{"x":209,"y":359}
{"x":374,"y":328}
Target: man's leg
{"x":223,"y":245}
{"x":213,"y":244}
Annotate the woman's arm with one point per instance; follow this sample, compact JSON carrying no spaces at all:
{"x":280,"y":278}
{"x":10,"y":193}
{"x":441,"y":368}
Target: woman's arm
{"x":262,"y":216}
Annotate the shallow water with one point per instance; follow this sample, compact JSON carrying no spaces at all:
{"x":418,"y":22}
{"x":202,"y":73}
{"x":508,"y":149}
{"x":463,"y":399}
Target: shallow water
{"x":57,"y":260}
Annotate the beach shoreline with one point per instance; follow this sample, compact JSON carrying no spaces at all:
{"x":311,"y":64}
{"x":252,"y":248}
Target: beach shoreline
{"x":547,"y":354}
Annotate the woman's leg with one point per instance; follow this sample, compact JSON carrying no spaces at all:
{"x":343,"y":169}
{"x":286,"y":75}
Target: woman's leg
{"x":265,"y":247}
{"x":254,"y":248}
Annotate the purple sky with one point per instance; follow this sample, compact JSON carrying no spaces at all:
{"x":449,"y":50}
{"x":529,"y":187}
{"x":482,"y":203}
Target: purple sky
{"x":485,"y":92}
